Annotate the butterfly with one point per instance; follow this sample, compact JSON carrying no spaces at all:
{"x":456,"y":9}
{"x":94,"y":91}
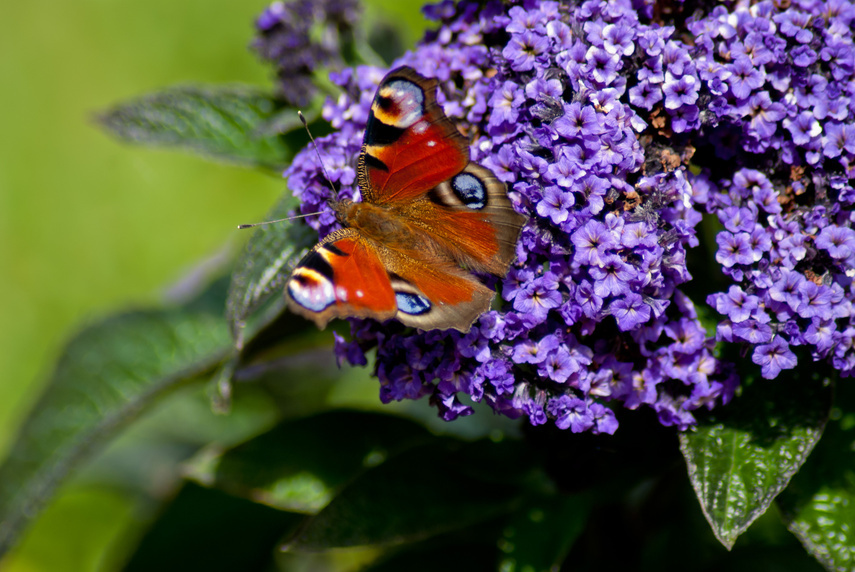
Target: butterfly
{"x":428,"y":220}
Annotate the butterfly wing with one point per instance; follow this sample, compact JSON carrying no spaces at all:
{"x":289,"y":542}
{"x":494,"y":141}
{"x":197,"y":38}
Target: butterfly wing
{"x":348,"y":275}
{"x":472,"y":218}
{"x":416,"y":163}
{"x":342,"y":276}
{"x":434,"y":294}
{"x":410,"y":146}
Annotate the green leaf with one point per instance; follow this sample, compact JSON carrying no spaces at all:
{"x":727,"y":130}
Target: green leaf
{"x":464,"y":550}
{"x":205,"y":529}
{"x":265,"y":264}
{"x":220,"y":388}
{"x":107,"y":374}
{"x":742,"y":456}
{"x":226,"y":122}
{"x":79,"y":531}
{"x":819,"y":504}
{"x":542,"y":531}
{"x":299,"y":465}
{"x":420,"y":493}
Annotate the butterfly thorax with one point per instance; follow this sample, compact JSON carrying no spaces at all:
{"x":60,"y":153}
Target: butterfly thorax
{"x":380,"y":224}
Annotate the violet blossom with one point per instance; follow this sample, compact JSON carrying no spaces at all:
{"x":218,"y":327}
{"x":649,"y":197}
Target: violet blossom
{"x":586,"y":112}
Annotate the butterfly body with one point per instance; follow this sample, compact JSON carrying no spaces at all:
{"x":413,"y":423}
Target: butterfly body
{"x":384,"y":225}
{"x":429,"y":218}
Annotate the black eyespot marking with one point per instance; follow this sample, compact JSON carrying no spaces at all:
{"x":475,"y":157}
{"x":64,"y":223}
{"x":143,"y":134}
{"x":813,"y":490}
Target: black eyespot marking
{"x":330,"y":247}
{"x":379,"y":134}
{"x":412,"y":304}
{"x":374,"y":163}
{"x":316,"y":262}
{"x":383,"y":102}
{"x":470,"y":190}
{"x":436,"y":198}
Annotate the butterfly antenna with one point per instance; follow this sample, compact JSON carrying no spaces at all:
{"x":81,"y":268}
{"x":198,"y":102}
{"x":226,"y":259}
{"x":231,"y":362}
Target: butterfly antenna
{"x":331,"y":202}
{"x":315,"y":145}
{"x":242,"y":226}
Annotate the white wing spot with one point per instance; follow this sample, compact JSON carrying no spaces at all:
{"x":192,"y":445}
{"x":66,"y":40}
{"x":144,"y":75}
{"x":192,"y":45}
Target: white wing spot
{"x":360,"y":294}
{"x":431,"y":143}
{"x":341,"y":293}
{"x":314,"y":297}
{"x":410,"y":99}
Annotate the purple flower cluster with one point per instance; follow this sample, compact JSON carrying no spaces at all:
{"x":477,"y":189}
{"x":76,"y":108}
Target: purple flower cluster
{"x":781,"y":85}
{"x":590,"y":114}
{"x":298,"y":37}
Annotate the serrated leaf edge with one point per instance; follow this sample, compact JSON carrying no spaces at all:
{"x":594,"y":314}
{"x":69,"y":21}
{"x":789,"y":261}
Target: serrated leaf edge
{"x":728,"y":540}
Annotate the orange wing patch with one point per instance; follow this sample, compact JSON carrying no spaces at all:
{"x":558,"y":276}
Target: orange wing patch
{"x":410,"y":145}
{"x":342,"y":276}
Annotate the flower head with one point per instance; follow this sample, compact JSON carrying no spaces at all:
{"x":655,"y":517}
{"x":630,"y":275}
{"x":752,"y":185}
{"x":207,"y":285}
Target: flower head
{"x":286,"y":40}
{"x":590,"y":116}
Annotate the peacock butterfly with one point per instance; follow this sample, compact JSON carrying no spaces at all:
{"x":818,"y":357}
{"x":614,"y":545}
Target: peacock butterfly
{"x":429,"y":218}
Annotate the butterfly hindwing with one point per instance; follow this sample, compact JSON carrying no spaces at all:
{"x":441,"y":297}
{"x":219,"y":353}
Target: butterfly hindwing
{"x":410,"y":146}
{"x":342,"y":276}
{"x":432,"y":295}
{"x":473,"y":217}
{"x":348,"y":275}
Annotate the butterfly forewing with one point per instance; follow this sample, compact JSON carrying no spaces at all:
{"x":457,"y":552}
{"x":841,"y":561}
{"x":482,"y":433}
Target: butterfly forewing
{"x":410,"y":146}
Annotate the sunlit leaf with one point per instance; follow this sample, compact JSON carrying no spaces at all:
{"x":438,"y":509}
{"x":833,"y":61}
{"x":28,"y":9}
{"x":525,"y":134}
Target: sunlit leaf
{"x":107,"y":374}
{"x":227,"y":122}
{"x":819,"y":504}
{"x":265,"y":264}
{"x":743,"y":456}
{"x":299,"y":465}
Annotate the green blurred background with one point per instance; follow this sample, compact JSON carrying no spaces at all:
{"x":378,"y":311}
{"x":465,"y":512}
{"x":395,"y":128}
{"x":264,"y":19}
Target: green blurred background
{"x":89,"y":226}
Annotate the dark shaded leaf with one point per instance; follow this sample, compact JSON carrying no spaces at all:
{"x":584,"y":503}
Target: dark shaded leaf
{"x":265,"y":264}
{"x":299,"y":465}
{"x":741,"y":457}
{"x":423,"y":492}
{"x":108,"y":373}
{"x":472,"y":548}
{"x":819,"y":504}
{"x":541,"y":533}
{"x":226,"y":122}
{"x":205,"y":529}
{"x":638,"y":451}
{"x":656,"y":525}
